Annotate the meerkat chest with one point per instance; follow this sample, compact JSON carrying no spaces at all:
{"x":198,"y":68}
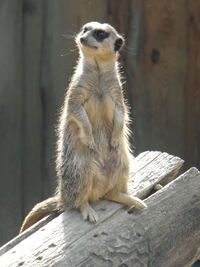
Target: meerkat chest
{"x":100,"y":108}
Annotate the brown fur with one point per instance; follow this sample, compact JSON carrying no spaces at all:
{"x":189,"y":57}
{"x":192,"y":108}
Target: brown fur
{"x":93,"y":155}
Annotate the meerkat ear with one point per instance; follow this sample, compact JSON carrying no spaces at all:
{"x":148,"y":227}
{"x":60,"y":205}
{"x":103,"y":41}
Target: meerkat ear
{"x":118,"y":44}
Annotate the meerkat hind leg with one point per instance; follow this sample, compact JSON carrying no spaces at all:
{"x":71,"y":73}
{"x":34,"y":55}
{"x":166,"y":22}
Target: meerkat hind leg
{"x":88,"y":213}
{"x":125,"y":199}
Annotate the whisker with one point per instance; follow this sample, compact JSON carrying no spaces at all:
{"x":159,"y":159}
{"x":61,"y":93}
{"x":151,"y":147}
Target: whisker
{"x":68,"y":36}
{"x":68,"y":53}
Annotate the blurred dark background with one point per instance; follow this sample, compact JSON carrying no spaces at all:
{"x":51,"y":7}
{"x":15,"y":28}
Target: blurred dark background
{"x":161,"y":65}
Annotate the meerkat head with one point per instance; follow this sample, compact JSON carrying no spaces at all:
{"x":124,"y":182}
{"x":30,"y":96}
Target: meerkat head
{"x":99,"y":39}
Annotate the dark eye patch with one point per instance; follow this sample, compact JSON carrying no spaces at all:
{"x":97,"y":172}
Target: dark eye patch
{"x":85,"y":29}
{"x":100,"y":35}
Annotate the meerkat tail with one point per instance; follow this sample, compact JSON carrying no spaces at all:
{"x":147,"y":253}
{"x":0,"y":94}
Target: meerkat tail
{"x":40,"y":211}
{"x":127,"y":200}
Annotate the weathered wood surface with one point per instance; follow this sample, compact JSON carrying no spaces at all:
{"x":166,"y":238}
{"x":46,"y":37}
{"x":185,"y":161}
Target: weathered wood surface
{"x":120,"y":237}
{"x":148,"y":169}
{"x":151,"y":168}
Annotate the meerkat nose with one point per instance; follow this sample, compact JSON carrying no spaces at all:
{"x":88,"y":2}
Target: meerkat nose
{"x":82,"y":40}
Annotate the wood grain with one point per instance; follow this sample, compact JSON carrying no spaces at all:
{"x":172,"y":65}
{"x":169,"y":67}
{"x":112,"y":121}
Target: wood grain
{"x":151,"y":168}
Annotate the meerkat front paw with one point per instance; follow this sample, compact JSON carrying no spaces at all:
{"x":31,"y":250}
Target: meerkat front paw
{"x":89,"y":142}
{"x":114,"y":144}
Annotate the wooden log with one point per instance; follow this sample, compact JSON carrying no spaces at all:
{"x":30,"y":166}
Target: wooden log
{"x":147,"y":170}
{"x":166,"y":234}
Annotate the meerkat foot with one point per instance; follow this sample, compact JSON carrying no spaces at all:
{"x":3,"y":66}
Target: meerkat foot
{"x":125,"y":199}
{"x":88,"y":213}
{"x":138,"y":204}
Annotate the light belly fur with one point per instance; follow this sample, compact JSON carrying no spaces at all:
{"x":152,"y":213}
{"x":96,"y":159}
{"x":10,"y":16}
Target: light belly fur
{"x":106,"y":164}
{"x":100,"y":111}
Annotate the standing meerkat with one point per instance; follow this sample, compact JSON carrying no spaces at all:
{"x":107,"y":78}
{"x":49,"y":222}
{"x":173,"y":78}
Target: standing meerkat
{"x":93,"y":152}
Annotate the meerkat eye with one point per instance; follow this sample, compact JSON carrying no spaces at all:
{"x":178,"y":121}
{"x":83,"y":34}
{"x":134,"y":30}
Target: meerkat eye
{"x":85,"y":29}
{"x":100,"y":35}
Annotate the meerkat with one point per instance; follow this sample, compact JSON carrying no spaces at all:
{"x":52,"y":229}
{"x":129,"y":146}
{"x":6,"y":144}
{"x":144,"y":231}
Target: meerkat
{"x":93,"y":151}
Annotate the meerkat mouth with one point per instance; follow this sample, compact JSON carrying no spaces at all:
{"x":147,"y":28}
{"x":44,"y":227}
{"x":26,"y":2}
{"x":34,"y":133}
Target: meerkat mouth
{"x":90,"y":46}
{"x":84,"y":42}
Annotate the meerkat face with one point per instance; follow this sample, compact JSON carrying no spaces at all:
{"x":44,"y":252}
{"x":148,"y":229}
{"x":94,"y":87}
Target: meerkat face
{"x":99,"y":39}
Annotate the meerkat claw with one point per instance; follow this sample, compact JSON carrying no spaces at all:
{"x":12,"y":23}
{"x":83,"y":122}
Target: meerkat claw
{"x":131,"y":208}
